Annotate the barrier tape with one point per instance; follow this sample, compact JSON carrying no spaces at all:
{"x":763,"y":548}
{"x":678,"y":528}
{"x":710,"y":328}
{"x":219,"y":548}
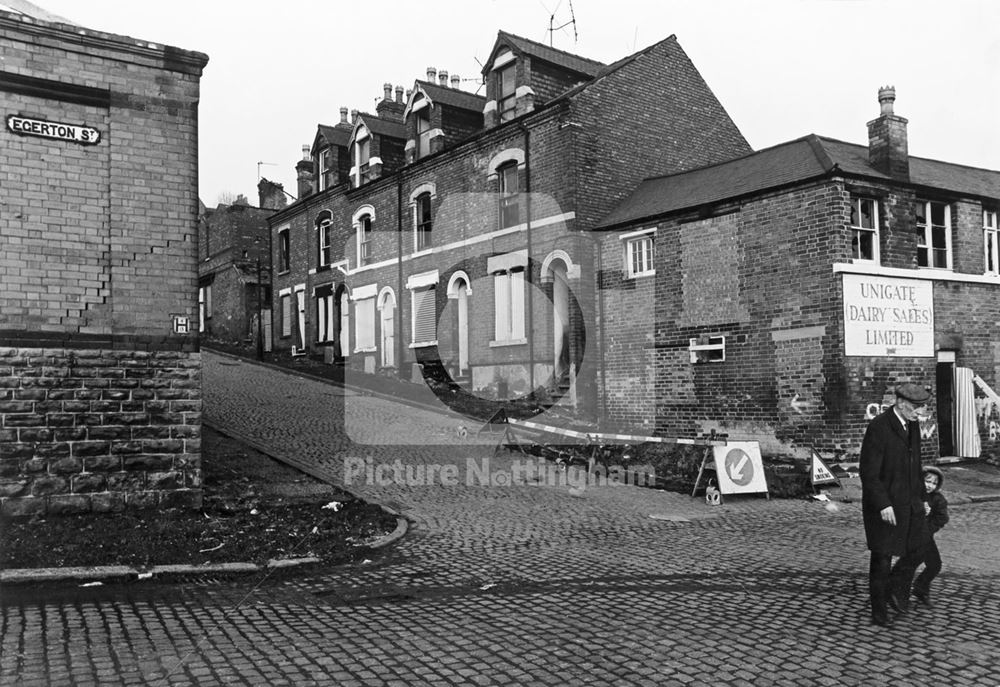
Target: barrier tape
{"x":596,"y":437}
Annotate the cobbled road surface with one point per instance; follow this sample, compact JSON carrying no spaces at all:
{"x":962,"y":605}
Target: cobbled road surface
{"x":512,"y":578}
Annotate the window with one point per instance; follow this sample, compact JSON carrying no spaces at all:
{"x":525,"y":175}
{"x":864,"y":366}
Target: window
{"x":707,"y":349}
{"x":424,"y":132}
{"x":326,"y":169}
{"x":364,"y":324}
{"x":208,"y":301}
{"x":324,"y":314}
{"x":286,"y":314}
{"x":506,"y":89}
{"x":324,"y":231}
{"x":508,"y":293}
{"x":364,"y":239}
{"x":510,"y":210}
{"x":423,"y":221}
{"x":424,"y":316}
{"x":362,"y":156}
{"x":283,"y":251}
{"x":933,"y":235}
{"x":864,"y":229}
{"x":990,"y":242}
{"x":639,"y":254}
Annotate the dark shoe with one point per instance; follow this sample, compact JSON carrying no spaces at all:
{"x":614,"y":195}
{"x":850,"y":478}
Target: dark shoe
{"x":899,"y":602}
{"x":882,"y":619}
{"x":924,"y":598}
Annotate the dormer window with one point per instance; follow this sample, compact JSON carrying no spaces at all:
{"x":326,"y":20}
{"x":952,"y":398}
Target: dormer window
{"x":506,"y":90}
{"x":325,"y":167}
{"x":423,"y":116}
{"x":361,"y":152}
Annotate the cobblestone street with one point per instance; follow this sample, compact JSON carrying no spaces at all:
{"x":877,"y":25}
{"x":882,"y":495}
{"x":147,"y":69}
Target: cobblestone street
{"x":503,"y":583}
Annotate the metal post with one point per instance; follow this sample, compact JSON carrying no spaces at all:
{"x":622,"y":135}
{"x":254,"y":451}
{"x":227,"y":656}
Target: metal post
{"x":260,"y":313}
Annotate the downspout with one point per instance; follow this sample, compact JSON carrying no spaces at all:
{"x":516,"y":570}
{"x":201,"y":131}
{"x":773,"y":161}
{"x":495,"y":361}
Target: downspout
{"x":398,"y":314}
{"x":529,"y":267}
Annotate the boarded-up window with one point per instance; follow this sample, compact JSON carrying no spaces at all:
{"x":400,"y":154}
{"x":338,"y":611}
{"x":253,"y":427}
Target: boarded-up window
{"x":364,"y":324}
{"x":424,"y":315}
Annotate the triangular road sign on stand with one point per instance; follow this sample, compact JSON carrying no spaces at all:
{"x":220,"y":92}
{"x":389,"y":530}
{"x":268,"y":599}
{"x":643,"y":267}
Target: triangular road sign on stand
{"x":819,"y":471}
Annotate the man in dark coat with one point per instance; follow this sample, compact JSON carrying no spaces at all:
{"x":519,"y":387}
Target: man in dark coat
{"x":892,"y":492}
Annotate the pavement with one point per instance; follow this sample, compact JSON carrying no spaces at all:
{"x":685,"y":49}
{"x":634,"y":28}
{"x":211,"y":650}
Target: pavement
{"x":513,"y":575}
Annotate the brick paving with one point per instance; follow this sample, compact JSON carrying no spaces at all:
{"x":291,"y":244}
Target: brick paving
{"x":516,"y":584}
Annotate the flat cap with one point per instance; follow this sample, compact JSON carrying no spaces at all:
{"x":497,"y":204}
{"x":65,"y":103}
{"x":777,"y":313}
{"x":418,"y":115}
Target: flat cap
{"x":913,"y":393}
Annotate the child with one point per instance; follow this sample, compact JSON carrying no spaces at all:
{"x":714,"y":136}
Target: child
{"x":936,"y":508}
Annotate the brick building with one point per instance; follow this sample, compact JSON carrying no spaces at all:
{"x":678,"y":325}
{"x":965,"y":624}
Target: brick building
{"x":234,"y":266}
{"x":791,"y":289}
{"x":100,"y":397}
{"x":448,"y":230}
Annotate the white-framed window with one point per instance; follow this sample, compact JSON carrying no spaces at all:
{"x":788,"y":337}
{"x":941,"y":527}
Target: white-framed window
{"x":364,"y":317}
{"x":361,"y":156}
{"x":508,"y":298}
{"x":864,"y":229}
{"x":423,"y":308}
{"x":325,"y":314}
{"x":506,"y":85}
{"x":707,"y":349}
{"x":324,"y":231}
{"x":363,"y":219}
{"x":325,"y":168}
{"x":286,"y":312}
{"x":991,"y":242}
{"x":422,"y":221}
{"x":424,"y":131}
{"x":638,"y":253}
{"x":509,"y":178}
{"x":933,"y":234}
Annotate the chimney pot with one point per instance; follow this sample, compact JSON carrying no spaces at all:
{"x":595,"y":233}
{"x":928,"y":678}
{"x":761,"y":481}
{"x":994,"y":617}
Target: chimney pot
{"x":408,"y":92}
{"x":343,"y":115}
{"x":305,"y":151}
{"x":431,"y":74}
{"x":886,"y":97}
{"x":443,"y":77}
{"x":354,"y":116}
{"x":387,"y":91}
{"x":456,"y":82}
{"x":399,"y":94}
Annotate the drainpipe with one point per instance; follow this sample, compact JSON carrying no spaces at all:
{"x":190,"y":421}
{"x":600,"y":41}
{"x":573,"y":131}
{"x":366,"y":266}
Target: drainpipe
{"x":529,"y":271}
{"x":398,"y":314}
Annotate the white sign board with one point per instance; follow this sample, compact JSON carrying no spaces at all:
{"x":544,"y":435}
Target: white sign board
{"x":739,"y":469}
{"x":885,"y":316}
{"x":76,"y":133}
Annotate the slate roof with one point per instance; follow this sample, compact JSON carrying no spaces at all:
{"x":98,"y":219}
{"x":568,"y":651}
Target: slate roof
{"x":382,"y":127}
{"x":337,"y":135}
{"x":453,"y":97}
{"x":795,"y":161}
{"x":552,"y":55}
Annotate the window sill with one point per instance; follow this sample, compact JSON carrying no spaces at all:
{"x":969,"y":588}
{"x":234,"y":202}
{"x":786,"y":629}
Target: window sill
{"x":366,"y":350}
{"x":423,"y":344}
{"x":651,"y":273}
{"x":427,"y":250}
{"x":283,"y":272}
{"x":508,"y":342}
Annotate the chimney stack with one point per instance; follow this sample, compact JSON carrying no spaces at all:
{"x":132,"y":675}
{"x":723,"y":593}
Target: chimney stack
{"x":888,"y":151}
{"x":456,"y":82}
{"x":387,"y":91}
{"x":304,"y":173}
{"x":399,"y":94}
{"x":431,"y":74}
{"x":443,"y":78}
{"x":343,"y":115}
{"x":354,"y":116}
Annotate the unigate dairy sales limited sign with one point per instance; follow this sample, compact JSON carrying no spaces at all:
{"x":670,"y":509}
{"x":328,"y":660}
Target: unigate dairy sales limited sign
{"x":888,"y":317}
{"x":75,"y":133}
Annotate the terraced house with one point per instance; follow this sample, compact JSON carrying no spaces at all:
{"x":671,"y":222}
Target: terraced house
{"x":450,"y":230}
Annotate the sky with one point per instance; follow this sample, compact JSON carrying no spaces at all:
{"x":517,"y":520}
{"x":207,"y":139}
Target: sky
{"x":782,"y":68}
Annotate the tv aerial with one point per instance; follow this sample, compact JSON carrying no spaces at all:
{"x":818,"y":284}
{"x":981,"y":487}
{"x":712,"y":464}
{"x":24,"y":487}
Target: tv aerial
{"x":552,"y":20}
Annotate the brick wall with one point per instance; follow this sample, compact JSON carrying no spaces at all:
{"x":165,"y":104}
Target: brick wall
{"x":99,"y":258}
